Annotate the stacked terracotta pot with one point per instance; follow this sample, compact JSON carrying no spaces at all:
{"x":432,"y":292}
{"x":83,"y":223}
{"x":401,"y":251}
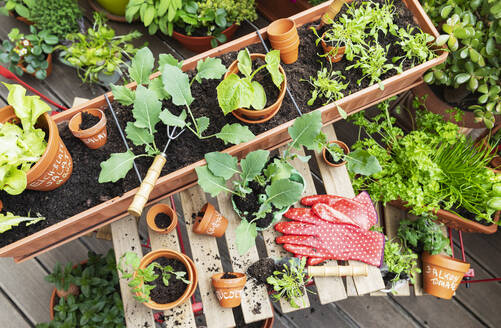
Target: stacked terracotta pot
{"x":283,"y":36}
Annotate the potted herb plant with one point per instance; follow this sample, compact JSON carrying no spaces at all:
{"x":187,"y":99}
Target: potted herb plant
{"x":229,"y":286}
{"x":161,"y":280}
{"x":57,"y":17}
{"x":399,"y":265}
{"x":423,"y":235}
{"x":28,"y":160}
{"x":30,"y":54}
{"x":99,"y":56}
{"x":237,"y":94}
{"x":64,"y":281}
{"x":442,"y":274}
{"x":20,"y":9}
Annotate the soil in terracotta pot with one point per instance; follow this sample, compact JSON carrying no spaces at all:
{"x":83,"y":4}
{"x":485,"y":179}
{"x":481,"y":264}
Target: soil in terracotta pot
{"x":162,"y":220}
{"x":88,"y":121}
{"x":250,"y":204}
{"x":228,"y":275}
{"x":330,"y":159}
{"x":162,"y":294}
{"x":82,"y":191}
{"x":262,"y":269}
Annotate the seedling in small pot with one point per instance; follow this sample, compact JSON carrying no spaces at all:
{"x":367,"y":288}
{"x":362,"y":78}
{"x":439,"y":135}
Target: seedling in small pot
{"x":64,"y":280}
{"x":358,"y":162}
{"x":400,"y":263}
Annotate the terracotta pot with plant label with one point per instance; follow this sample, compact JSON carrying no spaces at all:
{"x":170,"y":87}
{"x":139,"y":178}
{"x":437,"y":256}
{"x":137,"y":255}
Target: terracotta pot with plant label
{"x":283,"y":36}
{"x":442,"y":274}
{"x":210,"y":222}
{"x":161,"y":218}
{"x":229,"y":286}
{"x":327,"y":156}
{"x":55,"y":166}
{"x":333,"y":54}
{"x":200,"y":44}
{"x":94,"y":136}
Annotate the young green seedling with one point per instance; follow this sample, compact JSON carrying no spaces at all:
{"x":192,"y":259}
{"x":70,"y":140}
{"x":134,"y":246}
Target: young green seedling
{"x":327,"y":85}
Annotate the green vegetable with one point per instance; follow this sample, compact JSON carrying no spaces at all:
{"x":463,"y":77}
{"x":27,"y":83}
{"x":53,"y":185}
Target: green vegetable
{"x":237,"y":92}
{"x":494,"y":203}
{"x":20,"y":148}
{"x":9,"y":220}
{"x":289,"y":282}
{"x":61,"y":277}
{"x":57,"y":17}
{"x":424,"y":235}
{"x":496,"y":189}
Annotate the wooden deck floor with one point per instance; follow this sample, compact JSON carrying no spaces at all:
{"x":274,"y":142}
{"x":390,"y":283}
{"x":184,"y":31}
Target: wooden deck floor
{"x":24,"y":295}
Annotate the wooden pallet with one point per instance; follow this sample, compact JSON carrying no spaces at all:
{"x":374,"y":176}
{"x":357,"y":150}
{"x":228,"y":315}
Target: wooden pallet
{"x":205,"y":253}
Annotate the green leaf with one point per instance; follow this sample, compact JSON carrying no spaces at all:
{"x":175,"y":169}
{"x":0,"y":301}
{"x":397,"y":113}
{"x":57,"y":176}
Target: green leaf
{"x":14,"y":181}
{"x":149,"y":14}
{"x":168,"y":59}
{"x":272,"y":59}
{"x":474,"y":55}
{"x":445,"y":11}
{"x":222,"y":164}
{"x":473,"y":83}
{"x":234,"y":92}
{"x":209,"y":182}
{"x":361,"y":162}
{"x":170,"y":119}
{"x":177,"y":84}
{"x":116,"y":167}
{"x":305,"y":129}
{"x":278,"y":170}
{"x":442,"y":39}
{"x":235,"y":134}
{"x":157,"y":86}
{"x":210,"y":68}
{"x":461,"y":33}
{"x":462,"y":78}
{"x":490,"y":47}
{"x":245,"y":235}
{"x":142,"y":66}
{"x":27,"y":108}
{"x":259,"y":96}
{"x":283,"y":193}
{"x":122,"y":94}
{"x":138,"y":136}
{"x":244,"y":62}
{"x":146,"y":109}
{"x":253,"y":164}
{"x":202,"y":124}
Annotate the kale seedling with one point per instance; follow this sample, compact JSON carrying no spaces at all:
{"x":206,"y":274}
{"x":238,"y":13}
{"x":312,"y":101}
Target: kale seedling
{"x":289,"y":282}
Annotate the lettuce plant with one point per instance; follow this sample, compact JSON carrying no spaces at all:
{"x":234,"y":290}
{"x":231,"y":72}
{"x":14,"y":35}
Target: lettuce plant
{"x":9,"y":220}
{"x":175,"y":85}
{"x":327,"y":85}
{"x":20,"y":146}
{"x":289,"y":282}
{"x":241,"y":92}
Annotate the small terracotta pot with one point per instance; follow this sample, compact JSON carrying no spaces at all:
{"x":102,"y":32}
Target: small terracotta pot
{"x":157,"y":209}
{"x":55,"y":293}
{"x":20,"y":18}
{"x":200,"y":44}
{"x":48,"y":70}
{"x":333,"y":10}
{"x":331,"y":53}
{"x":94,"y":137}
{"x":345,"y":148}
{"x":266,"y":114}
{"x":54,"y":168}
{"x":212,"y":223}
{"x":190,"y":270}
{"x":283,"y":36}
{"x":112,"y":9}
{"x":442,"y":274}
{"x":229,"y":291}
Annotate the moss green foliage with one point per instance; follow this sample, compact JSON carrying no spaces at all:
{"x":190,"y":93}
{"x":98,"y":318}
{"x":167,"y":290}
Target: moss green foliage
{"x":472,"y":33}
{"x":98,"y":304}
{"x":237,"y":11}
{"x":58,"y":17}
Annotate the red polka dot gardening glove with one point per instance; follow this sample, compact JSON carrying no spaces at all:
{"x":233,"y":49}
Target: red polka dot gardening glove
{"x":334,"y":228}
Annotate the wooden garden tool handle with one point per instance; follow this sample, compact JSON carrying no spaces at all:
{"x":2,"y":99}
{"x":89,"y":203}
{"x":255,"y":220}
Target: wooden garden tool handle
{"x":142,"y":195}
{"x":332,"y":11}
{"x":337,"y":271}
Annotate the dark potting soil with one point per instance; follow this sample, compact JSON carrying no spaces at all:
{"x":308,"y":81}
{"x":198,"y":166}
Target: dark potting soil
{"x":250,"y":204}
{"x":88,"y":121}
{"x":162,"y":294}
{"x":328,"y":156}
{"x":228,"y":275}
{"x":263,"y":269}
{"x":470,"y":216}
{"x":463,"y":103}
{"x":162,"y":220}
{"x":82,"y":191}
{"x":264,"y":78}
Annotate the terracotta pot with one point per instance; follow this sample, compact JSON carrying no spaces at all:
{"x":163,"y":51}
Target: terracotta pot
{"x":112,"y":9}
{"x":94,"y":137}
{"x":54,"y":168}
{"x":200,"y":44}
{"x":229,"y":291}
{"x":276,"y":9}
{"x":436,"y":105}
{"x":157,"y":209}
{"x":212,"y":223}
{"x":55,"y":293}
{"x":48,"y":70}
{"x":333,"y":10}
{"x":346,"y":151}
{"x":454,"y":221}
{"x":442,"y":274}
{"x":190,"y":270}
{"x":283,"y":36}
{"x":333,"y":55}
{"x":20,"y":18}
{"x":266,"y":114}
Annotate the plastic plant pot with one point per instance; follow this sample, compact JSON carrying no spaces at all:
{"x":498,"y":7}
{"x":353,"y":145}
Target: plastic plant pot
{"x":211,"y":223}
{"x":94,"y":137}
{"x":442,"y":274}
{"x":343,"y":146}
{"x":200,"y":44}
{"x":229,"y":291}
{"x":157,"y":209}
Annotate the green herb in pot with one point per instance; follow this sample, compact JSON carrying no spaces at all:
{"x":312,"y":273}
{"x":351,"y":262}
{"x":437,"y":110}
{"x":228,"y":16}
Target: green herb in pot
{"x":57,"y":17}
{"x":424,"y":235}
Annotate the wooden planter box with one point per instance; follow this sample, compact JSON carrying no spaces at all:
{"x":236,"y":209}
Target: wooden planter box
{"x":116,"y":208}
{"x":275,"y":9}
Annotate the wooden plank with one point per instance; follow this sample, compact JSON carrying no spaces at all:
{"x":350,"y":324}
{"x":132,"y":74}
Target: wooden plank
{"x":255,"y":301}
{"x":11,"y":318}
{"x":206,"y":256}
{"x":181,"y":315}
{"x":74,"y":252}
{"x":337,"y":182}
{"x":380,"y":223}
{"x":126,"y":239}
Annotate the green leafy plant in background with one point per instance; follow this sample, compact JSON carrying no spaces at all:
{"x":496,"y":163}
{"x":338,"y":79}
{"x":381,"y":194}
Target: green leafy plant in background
{"x":99,"y":52}
{"x":424,"y":234}
{"x":20,"y":146}
{"x":18,"y":7}
{"x":99,"y":303}
{"x":326,"y":85}
{"x":175,"y":85}
{"x":289,"y":282}
{"x":401,"y":261}
{"x":61,"y":277}
{"x":9,"y":220}
{"x":57,"y":17}
{"x":415,"y":45}
{"x":155,"y":14}
{"x":472,"y":33}
{"x":241,"y":92}
{"x":30,"y":51}
{"x":139,"y":278}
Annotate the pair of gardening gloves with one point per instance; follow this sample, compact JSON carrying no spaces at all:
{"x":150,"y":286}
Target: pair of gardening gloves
{"x":334,"y":228}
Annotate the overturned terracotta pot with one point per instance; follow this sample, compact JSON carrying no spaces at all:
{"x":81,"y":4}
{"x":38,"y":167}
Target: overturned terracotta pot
{"x":442,"y":274}
{"x":229,"y":286}
{"x":94,"y":137}
{"x":211,"y":223}
{"x":161,"y":209}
